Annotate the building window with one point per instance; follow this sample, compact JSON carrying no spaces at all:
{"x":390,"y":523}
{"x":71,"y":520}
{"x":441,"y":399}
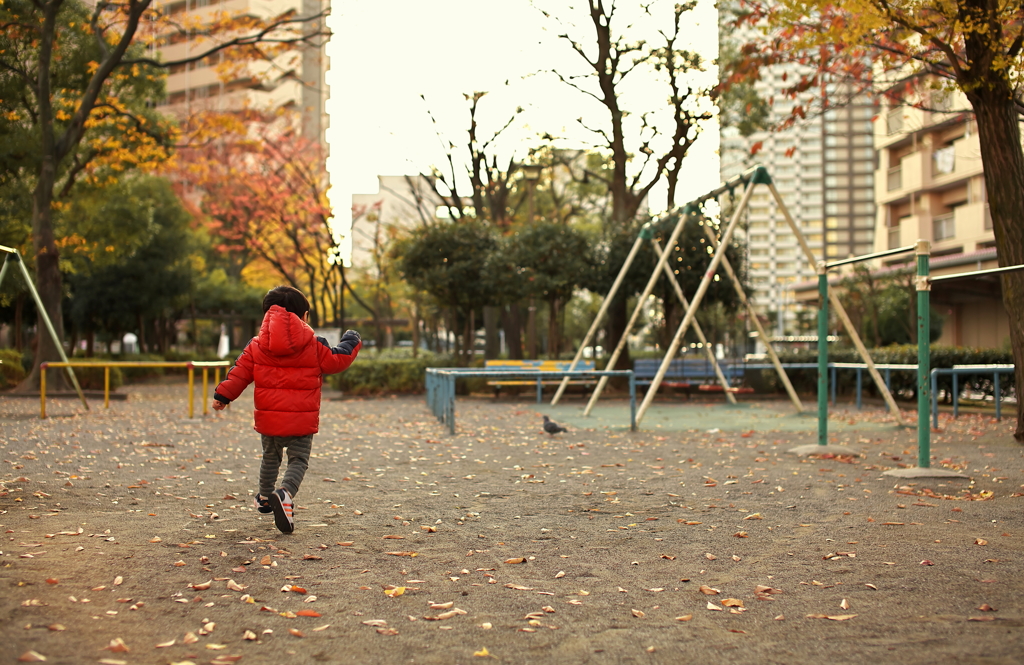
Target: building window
{"x":894,"y":120}
{"x":943,"y":227}
{"x":944,"y":160}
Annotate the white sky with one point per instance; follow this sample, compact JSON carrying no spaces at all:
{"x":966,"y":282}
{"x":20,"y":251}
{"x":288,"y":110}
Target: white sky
{"x":386,"y":53}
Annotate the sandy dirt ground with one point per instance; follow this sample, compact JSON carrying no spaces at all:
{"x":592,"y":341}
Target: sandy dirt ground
{"x":130,"y":537}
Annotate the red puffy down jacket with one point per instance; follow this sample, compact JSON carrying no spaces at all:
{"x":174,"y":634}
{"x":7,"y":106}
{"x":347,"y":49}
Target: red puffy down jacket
{"x":287,"y":362}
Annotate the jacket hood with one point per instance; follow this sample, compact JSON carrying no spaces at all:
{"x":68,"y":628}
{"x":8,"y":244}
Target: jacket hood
{"x":283,"y":333}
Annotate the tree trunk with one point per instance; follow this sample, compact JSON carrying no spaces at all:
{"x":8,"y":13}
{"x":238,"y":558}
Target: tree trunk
{"x":531,"y":330}
{"x":554,"y":343}
{"x":492,"y":345}
{"x":1003,"y":160}
{"x":19,"y":324}
{"x":415,"y":330}
{"x":142,"y":335}
{"x":617,"y":319}
{"x":513,"y":324}
{"x":90,"y":343}
{"x":49,"y":281}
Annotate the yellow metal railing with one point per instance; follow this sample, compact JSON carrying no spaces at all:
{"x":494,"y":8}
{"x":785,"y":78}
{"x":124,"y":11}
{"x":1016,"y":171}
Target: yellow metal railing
{"x":190,"y":364}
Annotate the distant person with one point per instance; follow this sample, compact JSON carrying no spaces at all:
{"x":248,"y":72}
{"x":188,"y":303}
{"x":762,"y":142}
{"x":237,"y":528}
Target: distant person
{"x":128,"y":343}
{"x":288,"y":362}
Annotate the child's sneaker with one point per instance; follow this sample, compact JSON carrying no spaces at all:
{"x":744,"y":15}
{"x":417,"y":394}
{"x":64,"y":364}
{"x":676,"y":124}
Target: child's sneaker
{"x":281,"y":504}
{"x":262,"y":504}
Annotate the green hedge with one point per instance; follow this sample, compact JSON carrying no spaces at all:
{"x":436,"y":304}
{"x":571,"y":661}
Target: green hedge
{"x":904,"y":383}
{"x":371,"y":376}
{"x":91,"y":378}
{"x":11,"y":370}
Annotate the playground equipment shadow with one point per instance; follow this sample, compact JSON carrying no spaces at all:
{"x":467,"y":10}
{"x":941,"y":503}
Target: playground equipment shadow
{"x":775,"y":415}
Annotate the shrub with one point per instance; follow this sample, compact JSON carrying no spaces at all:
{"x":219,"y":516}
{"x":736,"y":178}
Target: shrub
{"x":11,"y":369}
{"x":902,"y":383}
{"x":370,"y":375}
{"x":91,"y":378}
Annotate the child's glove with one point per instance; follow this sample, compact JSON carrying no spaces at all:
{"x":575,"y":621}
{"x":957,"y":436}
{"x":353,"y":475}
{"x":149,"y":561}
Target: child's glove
{"x":349,"y":341}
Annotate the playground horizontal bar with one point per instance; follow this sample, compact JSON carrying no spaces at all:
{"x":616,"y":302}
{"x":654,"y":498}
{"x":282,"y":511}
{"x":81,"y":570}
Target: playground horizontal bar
{"x":9,"y":250}
{"x":141,"y":363}
{"x":985,"y":368}
{"x":868,"y":257}
{"x":864,"y":366}
{"x":975,"y":273}
{"x":190,"y":364}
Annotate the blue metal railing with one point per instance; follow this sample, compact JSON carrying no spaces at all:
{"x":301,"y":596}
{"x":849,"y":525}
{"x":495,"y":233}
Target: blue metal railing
{"x":440,"y":385}
{"x":956,"y":372}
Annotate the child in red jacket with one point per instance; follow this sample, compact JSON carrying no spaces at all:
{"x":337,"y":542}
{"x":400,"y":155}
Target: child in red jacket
{"x":287,"y":362}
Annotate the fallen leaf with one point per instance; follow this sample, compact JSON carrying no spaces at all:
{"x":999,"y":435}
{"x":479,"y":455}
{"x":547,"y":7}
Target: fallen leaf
{"x":118,"y":580}
{"x":740,"y":534}
{"x":56,"y":627}
{"x":519,"y":587}
{"x":323,"y":627}
{"x":987,"y":608}
{"x":560,"y":574}
{"x":394,"y":592}
{"x":164,"y":645}
{"x":685,"y":617}
{"x":235,"y":586}
{"x":296,"y":632}
{"x":517,"y":559}
{"x":844,"y":605}
{"x":442,"y":606}
{"x":832,"y":617}
{"x":781,"y":617}
{"x":52,"y":580}
{"x":265,"y":561}
{"x":249,"y":635}
{"x":710,"y":557}
{"x":732,"y":602}
{"x":981,"y":618}
{"x":926,"y":562}
{"x":871,"y":586}
{"x":31,"y":657}
{"x":980,"y":541}
{"x":392,"y":536}
{"x":402,"y":553}
{"x":639,"y":614}
{"x":708,"y":591}
{"x":116,"y":645}
{"x":307,"y":613}
{"x":483,"y":652}
{"x":668,"y":556}
{"x":754,"y":516}
{"x":347,"y":543}
{"x":202,"y":586}
{"x":216,"y":647}
{"x":387,"y":631}
{"x":376,"y":623}
{"x":716,"y":608}
{"x":190,"y":638}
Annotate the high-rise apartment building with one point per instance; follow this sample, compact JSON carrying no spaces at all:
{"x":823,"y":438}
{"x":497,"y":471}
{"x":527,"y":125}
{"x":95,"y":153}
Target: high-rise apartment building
{"x":294,"y":79}
{"x":823,"y":167}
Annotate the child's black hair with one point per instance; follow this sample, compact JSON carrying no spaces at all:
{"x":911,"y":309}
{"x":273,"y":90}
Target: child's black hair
{"x":288,"y":297}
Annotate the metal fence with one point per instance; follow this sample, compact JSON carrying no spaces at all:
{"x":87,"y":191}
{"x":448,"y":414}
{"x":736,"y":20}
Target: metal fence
{"x":440,"y":384}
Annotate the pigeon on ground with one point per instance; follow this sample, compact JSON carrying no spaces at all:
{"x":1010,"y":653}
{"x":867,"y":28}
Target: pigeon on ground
{"x":551,"y":427}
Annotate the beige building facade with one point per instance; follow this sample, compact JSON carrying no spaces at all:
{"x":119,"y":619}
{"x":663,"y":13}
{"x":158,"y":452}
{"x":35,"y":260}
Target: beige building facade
{"x":295,"y":79}
{"x":930,"y":185}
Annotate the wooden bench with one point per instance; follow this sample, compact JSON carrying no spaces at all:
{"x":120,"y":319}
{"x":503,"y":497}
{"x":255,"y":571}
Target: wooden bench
{"x":536,"y":366}
{"x":688,"y":374}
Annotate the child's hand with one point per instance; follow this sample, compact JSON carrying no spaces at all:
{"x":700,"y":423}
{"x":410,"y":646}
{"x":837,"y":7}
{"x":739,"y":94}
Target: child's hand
{"x":219,"y":405}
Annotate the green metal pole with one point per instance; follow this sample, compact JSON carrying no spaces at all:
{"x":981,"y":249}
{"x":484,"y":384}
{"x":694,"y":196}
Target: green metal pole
{"x":924,"y":386}
{"x":822,"y":354}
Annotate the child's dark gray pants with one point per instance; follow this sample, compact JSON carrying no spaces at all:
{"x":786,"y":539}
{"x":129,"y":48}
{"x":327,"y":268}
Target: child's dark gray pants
{"x":298,"y":461}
